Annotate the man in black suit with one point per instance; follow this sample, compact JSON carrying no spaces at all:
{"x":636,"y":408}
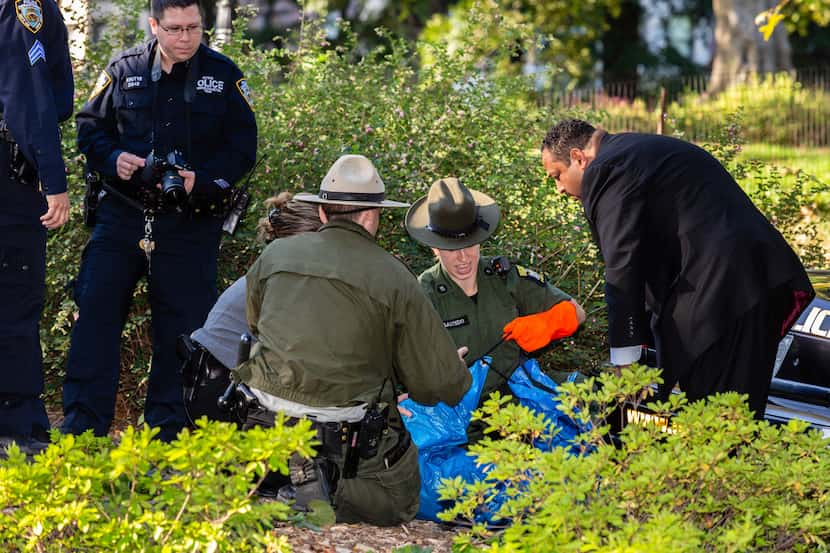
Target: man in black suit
{"x":681,"y":239}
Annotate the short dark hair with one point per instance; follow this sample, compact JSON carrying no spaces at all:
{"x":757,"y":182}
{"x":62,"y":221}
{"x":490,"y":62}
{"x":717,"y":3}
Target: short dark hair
{"x":344,"y":211}
{"x":567,"y":134}
{"x":157,"y":7}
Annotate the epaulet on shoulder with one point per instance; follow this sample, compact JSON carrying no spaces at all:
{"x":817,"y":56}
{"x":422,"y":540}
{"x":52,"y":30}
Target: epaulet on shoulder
{"x":211,"y":53}
{"x":129,"y":53}
{"x":530,"y":275}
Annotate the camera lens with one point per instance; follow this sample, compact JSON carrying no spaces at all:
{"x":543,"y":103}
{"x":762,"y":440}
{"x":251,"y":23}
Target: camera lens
{"x":172,"y":188}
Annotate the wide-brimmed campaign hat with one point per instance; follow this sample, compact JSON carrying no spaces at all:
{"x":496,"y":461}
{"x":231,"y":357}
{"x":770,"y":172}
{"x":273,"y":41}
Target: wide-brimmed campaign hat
{"x":352,"y":180}
{"x":452,"y":216}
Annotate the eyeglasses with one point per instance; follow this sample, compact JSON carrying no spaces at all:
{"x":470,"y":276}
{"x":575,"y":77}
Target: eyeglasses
{"x":178,"y":31}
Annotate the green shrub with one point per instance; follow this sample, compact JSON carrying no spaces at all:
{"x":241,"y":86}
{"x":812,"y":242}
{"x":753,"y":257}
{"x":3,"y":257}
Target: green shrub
{"x":719,"y":481}
{"x":194,"y":494}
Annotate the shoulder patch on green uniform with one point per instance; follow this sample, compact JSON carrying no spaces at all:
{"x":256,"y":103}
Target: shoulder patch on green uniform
{"x":538,"y":278}
{"x":101,"y":85}
{"x":245,"y":91}
{"x":30,"y":14}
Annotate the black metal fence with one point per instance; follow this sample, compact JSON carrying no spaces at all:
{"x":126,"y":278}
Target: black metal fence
{"x":779,"y":109}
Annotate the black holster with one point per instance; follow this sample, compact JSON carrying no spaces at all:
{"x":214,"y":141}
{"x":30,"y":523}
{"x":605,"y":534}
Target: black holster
{"x":204,"y":378}
{"x":20,"y":169}
{"x":93,"y":194}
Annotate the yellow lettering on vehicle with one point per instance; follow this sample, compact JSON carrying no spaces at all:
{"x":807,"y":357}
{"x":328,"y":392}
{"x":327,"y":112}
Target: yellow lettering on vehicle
{"x":641,"y":418}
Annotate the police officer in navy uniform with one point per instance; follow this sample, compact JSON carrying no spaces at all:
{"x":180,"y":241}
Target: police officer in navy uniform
{"x":36,"y":91}
{"x":171,"y":94}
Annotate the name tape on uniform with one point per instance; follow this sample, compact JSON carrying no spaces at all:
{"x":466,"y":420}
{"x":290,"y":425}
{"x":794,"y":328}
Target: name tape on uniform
{"x":455,"y":323}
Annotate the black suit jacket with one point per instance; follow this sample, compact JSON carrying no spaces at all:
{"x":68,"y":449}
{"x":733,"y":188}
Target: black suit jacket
{"x":680,"y":237}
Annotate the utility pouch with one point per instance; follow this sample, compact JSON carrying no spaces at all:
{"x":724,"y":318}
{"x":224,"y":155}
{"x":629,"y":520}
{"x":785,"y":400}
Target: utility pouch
{"x":371,"y":430}
{"x":93,"y":194}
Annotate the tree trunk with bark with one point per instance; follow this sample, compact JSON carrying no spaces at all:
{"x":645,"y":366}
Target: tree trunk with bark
{"x":740,"y":49}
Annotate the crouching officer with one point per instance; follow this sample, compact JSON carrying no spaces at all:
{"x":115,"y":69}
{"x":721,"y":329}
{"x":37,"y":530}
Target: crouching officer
{"x":36,"y":91}
{"x":340,"y":324}
{"x":169,"y":128}
{"x":211,"y":351}
{"x":487,"y":304}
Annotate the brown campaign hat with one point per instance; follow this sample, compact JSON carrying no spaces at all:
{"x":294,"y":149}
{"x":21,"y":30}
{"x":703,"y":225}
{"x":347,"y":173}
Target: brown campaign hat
{"x":452,"y":216}
{"x":352,"y":180}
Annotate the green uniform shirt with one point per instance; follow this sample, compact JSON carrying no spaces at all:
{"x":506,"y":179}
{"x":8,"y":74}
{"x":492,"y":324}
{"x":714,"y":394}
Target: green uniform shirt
{"x":478,"y":323}
{"x":335,"y":314}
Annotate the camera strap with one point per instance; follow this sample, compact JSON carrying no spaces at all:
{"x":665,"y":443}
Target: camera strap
{"x":188,"y":94}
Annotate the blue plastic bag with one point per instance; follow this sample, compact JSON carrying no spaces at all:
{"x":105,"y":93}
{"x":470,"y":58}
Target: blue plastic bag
{"x":439,"y":432}
{"x":530,"y":386}
{"x":441,"y":425}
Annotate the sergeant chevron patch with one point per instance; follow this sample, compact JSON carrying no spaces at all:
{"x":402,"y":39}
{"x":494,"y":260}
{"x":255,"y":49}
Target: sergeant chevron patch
{"x":37,"y":52}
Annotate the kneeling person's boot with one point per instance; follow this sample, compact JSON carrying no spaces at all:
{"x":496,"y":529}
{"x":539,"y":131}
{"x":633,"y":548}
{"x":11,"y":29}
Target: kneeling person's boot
{"x":310,"y":480}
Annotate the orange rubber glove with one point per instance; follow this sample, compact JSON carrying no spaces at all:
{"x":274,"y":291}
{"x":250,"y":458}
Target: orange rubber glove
{"x":533,"y":332}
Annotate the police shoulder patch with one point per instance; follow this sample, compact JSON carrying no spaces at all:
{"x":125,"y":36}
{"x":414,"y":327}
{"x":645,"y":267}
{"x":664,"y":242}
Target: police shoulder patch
{"x":245,"y":91}
{"x":30,"y":14}
{"x":101,"y":85}
{"x":525,"y":273}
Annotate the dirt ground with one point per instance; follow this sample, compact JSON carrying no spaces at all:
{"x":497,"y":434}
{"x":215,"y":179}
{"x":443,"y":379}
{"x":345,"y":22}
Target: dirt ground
{"x":361,"y":538}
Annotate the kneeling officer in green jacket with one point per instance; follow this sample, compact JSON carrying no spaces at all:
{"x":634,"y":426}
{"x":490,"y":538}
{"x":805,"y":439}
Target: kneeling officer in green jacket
{"x":341,"y":324}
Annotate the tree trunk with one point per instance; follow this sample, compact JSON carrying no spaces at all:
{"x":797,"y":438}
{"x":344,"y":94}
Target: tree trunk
{"x":740,"y":49}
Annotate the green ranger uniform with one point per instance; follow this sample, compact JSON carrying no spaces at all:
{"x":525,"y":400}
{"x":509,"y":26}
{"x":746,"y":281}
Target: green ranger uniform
{"x":478,"y":322}
{"x":338,"y":318}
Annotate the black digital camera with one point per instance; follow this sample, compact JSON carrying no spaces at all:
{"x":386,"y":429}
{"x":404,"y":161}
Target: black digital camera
{"x":165,"y":170}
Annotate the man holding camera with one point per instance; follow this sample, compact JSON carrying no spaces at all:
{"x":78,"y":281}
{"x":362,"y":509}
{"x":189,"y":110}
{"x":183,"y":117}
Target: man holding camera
{"x":36,"y":91}
{"x":167,"y":131}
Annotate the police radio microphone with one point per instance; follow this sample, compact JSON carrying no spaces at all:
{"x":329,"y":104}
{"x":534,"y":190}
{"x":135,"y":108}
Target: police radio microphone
{"x":240,"y":199}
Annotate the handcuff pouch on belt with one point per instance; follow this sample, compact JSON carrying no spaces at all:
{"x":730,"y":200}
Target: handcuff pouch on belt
{"x":20,"y":169}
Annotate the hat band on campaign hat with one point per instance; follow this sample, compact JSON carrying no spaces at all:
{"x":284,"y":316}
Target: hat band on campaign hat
{"x":376,"y":197}
{"x":478,"y":224}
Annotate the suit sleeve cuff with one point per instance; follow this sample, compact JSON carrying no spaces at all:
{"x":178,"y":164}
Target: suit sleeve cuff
{"x":626,"y":355}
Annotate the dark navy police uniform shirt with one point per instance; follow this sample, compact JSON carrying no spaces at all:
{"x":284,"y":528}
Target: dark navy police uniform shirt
{"x":121,"y":116}
{"x":36,"y":85}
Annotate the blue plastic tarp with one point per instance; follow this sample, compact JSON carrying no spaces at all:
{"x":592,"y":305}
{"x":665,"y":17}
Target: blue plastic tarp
{"x":440,"y":432}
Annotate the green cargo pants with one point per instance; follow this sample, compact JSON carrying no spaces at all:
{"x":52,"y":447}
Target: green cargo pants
{"x":380,"y":495}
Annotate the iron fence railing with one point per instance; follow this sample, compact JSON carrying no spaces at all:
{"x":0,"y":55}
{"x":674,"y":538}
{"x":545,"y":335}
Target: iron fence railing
{"x":785,"y":109}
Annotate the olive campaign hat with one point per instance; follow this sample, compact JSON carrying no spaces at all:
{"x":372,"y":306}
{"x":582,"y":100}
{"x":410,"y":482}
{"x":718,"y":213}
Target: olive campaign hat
{"x":352,"y":180}
{"x":452,"y":216}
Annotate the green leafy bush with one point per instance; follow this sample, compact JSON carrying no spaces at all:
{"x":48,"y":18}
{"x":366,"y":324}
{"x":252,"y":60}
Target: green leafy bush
{"x":194,"y":494}
{"x":718,"y":481}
